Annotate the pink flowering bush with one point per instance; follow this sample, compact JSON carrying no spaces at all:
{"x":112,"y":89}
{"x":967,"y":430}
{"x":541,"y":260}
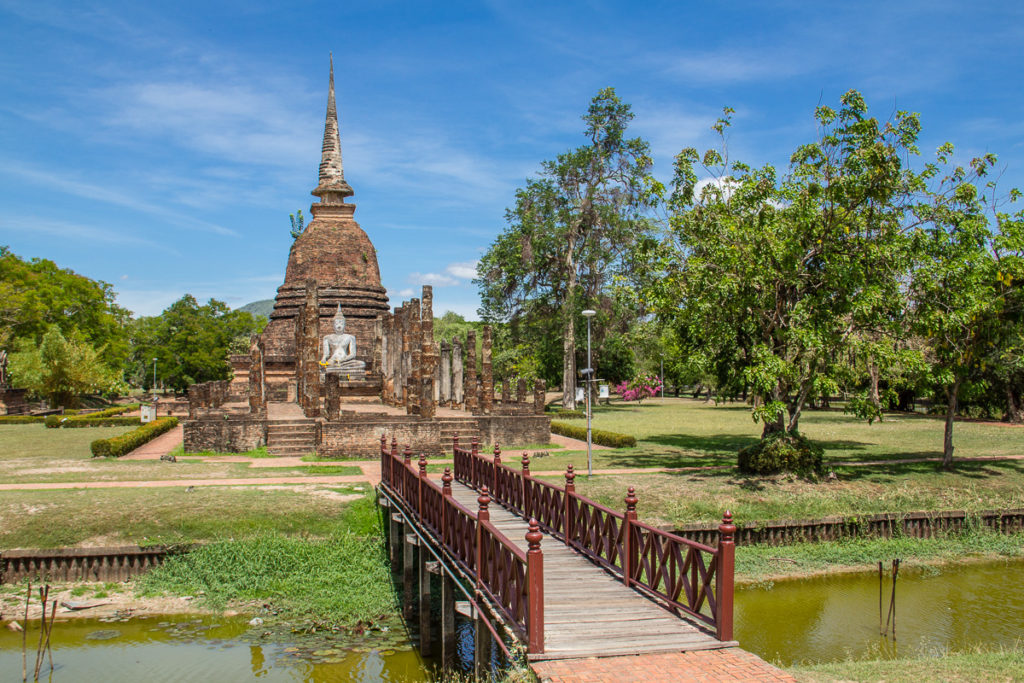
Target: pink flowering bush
{"x":639,"y":388}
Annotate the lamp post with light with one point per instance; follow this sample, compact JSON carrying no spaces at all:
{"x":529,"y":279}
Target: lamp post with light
{"x":589,"y":378}
{"x":154,"y":376}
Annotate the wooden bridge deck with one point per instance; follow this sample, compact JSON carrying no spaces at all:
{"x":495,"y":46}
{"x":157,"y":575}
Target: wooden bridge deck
{"x":587,"y":611}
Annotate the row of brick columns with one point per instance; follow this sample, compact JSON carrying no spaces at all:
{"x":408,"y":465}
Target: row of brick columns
{"x":207,"y":395}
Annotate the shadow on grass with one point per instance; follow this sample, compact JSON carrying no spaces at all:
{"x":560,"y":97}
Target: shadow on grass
{"x":972,"y":470}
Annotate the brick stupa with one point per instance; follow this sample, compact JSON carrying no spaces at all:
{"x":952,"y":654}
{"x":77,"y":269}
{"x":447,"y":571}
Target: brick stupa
{"x":336,"y":254}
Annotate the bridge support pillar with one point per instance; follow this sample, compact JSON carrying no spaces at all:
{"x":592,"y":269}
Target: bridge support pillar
{"x":426,"y":644}
{"x":447,"y":620}
{"x":481,"y":647}
{"x":410,"y":541}
{"x":395,"y":538}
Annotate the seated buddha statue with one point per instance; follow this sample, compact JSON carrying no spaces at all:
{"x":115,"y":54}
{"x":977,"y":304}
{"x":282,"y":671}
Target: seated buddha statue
{"x":339,"y":355}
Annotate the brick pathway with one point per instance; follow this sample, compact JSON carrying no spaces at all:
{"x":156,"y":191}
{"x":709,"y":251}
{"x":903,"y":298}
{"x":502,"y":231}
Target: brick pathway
{"x":727,"y":664}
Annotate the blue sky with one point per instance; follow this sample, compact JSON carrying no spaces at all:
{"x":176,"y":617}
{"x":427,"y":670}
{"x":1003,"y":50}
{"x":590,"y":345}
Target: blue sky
{"x":161,"y":146}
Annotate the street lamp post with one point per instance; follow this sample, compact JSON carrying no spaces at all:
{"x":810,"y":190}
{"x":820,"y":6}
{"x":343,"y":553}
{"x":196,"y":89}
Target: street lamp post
{"x":589,"y":372}
{"x":663,"y":379}
{"x":154,"y":376}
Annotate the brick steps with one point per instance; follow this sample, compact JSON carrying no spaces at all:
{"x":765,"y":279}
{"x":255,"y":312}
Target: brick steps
{"x":291,"y":437}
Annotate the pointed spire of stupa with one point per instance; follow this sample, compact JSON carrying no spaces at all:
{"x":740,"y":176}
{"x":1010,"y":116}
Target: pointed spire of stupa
{"x":332,"y":188}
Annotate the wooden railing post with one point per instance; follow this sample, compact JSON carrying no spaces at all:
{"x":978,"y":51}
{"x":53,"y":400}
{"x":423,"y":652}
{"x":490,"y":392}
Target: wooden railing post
{"x":482,"y":515}
{"x":628,"y":549}
{"x":570,"y":491}
{"x":394,"y":445}
{"x":406,"y":463}
{"x":527,"y":508}
{"x":420,"y":483}
{"x":474,"y":449}
{"x":497,"y":464}
{"x":724,"y":577}
{"x":446,"y":495}
{"x":534,"y":589}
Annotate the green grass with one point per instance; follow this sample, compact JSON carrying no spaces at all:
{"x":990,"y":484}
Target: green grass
{"x":261,"y":452}
{"x":338,"y":580}
{"x":689,"y":497}
{"x":52,"y":519}
{"x":980,"y":666}
{"x":761,"y":562}
{"x":683,"y":432}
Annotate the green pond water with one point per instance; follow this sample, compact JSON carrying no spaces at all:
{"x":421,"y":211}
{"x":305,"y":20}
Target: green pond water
{"x":827,"y":619}
{"x":805,"y":620}
{"x":162,"y":649}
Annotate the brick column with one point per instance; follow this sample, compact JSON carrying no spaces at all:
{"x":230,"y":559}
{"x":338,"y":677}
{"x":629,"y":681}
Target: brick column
{"x":521,"y":391}
{"x":458,"y":380}
{"x":332,"y":397}
{"x":538,"y":397}
{"x":506,"y":392}
{"x":487,"y":375}
{"x":307,"y":353}
{"x":445,"y":396}
{"x":472,"y":398}
{"x":428,"y":355}
{"x":412,"y":405}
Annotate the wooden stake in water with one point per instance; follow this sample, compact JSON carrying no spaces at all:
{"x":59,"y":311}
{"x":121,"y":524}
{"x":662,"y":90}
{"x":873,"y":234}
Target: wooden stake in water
{"x":24,"y":637}
{"x":880,"y":631}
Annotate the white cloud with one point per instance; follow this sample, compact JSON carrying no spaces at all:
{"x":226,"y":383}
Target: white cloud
{"x":408,"y":291}
{"x":465,"y":270}
{"x":433,"y":279}
{"x":727,"y":66}
{"x":78,"y":231}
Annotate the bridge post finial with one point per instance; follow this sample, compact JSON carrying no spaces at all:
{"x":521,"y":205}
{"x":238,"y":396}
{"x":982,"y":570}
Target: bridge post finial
{"x":446,"y":482}
{"x":497,"y":454}
{"x":455,"y":441}
{"x":535,"y":589}
{"x":631,"y":501}
{"x":526,"y":464}
{"x":383,"y":443}
{"x":423,"y":465}
{"x":570,"y":476}
{"x":475,"y":445}
{"x":394,"y":445}
{"x":724,"y":578}
{"x":570,"y":491}
{"x":484,"y":500}
{"x":407,"y":455}
{"x":630,"y":558}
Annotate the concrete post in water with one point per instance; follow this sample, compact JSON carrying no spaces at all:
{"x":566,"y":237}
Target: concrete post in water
{"x":481,"y":647}
{"x":724,"y":578}
{"x":447,"y":620}
{"x":395,"y":538}
{"x":629,"y":550}
{"x":409,"y":542}
{"x":424,"y":603}
{"x":535,"y":583}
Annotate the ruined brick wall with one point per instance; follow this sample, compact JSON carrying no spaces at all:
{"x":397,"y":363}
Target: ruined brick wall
{"x":226,"y":434}
{"x":359,"y":437}
{"x":512,"y":431}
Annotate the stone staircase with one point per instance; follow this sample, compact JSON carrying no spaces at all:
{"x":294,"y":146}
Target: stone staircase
{"x":465,"y":427}
{"x":291,"y":437}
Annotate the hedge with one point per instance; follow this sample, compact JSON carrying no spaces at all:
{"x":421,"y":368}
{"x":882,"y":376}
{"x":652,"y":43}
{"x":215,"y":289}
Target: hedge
{"x":598,"y":436}
{"x":126,"y":443}
{"x":21,"y":419}
{"x":566,"y":414}
{"x":54,"y":421}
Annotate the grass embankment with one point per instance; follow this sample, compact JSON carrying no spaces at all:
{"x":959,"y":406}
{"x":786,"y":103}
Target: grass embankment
{"x":341,"y":579}
{"x":756,"y":563}
{"x":980,"y":666}
{"x":122,"y":516}
{"x":686,"y":433}
{"x":32,"y":453}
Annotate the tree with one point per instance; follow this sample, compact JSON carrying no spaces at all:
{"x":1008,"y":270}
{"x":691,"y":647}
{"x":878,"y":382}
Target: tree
{"x":768,"y":278}
{"x":568,"y":231}
{"x":62,"y":369}
{"x":963,"y":282}
{"x":37,"y":294}
{"x":298,"y":224}
{"x":190,"y":342}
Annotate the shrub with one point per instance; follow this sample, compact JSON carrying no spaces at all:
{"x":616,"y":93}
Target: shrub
{"x":21,"y":419}
{"x":101,"y":418}
{"x":99,"y":422}
{"x":598,"y":436}
{"x":566,"y":414}
{"x":782,"y":453}
{"x":125,"y":443}
{"x":639,"y":388}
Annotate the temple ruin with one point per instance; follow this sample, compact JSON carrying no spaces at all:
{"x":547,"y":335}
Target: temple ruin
{"x":335,"y":368}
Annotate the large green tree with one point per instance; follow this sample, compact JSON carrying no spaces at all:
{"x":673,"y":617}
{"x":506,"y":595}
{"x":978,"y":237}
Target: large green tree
{"x":190,"y":342}
{"x":767,"y":278}
{"x":61,"y":370}
{"x":37,"y":294}
{"x":568,"y":232}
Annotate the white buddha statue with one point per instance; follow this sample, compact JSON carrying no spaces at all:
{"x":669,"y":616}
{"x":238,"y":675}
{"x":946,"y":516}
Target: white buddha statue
{"x":339,"y":355}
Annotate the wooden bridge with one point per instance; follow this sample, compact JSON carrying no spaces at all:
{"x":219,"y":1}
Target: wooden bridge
{"x":564,"y":575}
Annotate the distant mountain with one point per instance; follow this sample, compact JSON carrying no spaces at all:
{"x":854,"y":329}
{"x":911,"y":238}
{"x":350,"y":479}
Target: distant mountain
{"x":262,"y":308}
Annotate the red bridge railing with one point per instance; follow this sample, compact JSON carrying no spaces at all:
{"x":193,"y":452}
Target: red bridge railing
{"x":511,"y":578}
{"x":683,"y":575}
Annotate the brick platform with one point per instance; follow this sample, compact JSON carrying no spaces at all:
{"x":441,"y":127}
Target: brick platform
{"x":727,"y":664}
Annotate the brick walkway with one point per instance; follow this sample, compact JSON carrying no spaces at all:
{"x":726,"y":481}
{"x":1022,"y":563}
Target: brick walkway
{"x":727,"y":664}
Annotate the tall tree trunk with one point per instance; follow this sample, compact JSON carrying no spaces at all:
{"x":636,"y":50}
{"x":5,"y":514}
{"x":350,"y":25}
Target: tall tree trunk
{"x":873,"y":390}
{"x":569,"y":332}
{"x":1013,"y":410}
{"x":952,"y":394}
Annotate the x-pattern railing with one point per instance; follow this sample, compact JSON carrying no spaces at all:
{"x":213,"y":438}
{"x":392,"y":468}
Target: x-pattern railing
{"x":513,"y":579}
{"x":681,"y":574}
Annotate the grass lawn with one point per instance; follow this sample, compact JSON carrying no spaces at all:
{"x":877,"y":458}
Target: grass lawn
{"x":683,"y":432}
{"x":971,"y":667}
{"x":33,"y":453}
{"x":686,"y":497}
{"x":119,"y":516}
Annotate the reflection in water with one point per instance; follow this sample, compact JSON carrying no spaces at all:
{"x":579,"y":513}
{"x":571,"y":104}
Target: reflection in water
{"x":834,"y":618}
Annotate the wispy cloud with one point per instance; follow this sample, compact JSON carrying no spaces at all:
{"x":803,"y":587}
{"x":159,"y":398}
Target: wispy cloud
{"x":79,"y":232}
{"x":433,"y":279}
{"x":464,"y":269}
{"x":729,"y":66}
